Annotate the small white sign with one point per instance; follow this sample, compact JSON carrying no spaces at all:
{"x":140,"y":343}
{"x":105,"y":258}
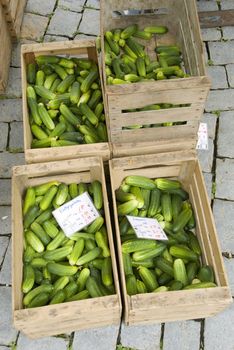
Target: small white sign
{"x":147,"y":228}
{"x":202,"y":142}
{"x":76,"y":214}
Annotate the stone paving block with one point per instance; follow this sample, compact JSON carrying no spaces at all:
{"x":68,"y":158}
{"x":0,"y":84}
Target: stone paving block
{"x":63,"y":23}
{"x":228,"y":33}
{"x":222,"y":52}
{"x":3,"y":136}
{"x":205,"y":53}
{"x":81,"y":35}
{"x":33,"y":26}
{"x":51,"y":38}
{"x":220,"y":100}
{"x":16,"y":143}
{"x":90,"y":22}
{"x":3,"y":246}
{"x":72,"y":5}
{"x":7,"y":160}
{"x":227,"y":5}
{"x":224,"y":218}
{"x":4,"y":348}
{"x":5,"y":220}
{"x":145,"y":337}
{"x":229,"y":265}
{"x":224,"y":178}
{"x":210,"y":34}
{"x":14,"y":83}
{"x":16,"y":48}
{"x":218,"y":77}
{"x":7,"y":332}
{"x":5,"y":190}
{"x":218,"y":332}
{"x":211,"y":120}
{"x":182,"y":335}
{"x":5,"y":273}
{"x":205,"y":5}
{"x":208,"y":182}
{"x":93,"y":4}
{"x":40,"y":7}
{"x":225,"y":146}
{"x":206,"y":157}
{"x":48,"y":343}
{"x":104,"y":338}
{"x":10,"y":110}
{"x":230,"y":74}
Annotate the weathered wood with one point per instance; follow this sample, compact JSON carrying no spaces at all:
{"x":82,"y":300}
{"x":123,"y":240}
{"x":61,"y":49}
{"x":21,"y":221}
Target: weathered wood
{"x":213,"y":19}
{"x":13,"y":12}
{"x":78,"y":48}
{"x":70,"y":316}
{"x":5,"y":52}
{"x":174,"y":305}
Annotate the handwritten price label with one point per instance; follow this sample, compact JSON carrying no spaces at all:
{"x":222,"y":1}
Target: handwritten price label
{"x":202,"y":142}
{"x":76,"y":214}
{"x":147,"y":228}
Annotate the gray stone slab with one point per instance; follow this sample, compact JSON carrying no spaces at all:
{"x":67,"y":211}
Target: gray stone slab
{"x":220,"y":100}
{"x":208,"y":182}
{"x":205,"y":5}
{"x":211,"y":120}
{"x":51,"y":38}
{"x":225,"y":179}
{"x":225,"y":145}
{"x":90,"y":22}
{"x":33,"y":27}
{"x":16,"y":48}
{"x":3,"y":247}
{"x":5,"y":190}
{"x":205,"y":53}
{"x":182,"y":335}
{"x":224,"y":218}
{"x":16,"y":143}
{"x":7,"y":160}
{"x":104,"y":338}
{"x":227,"y":5}
{"x":218,"y":77}
{"x":48,"y":343}
{"x":222,"y":52}
{"x":228,"y":33}
{"x":4,"y":348}
{"x":7,"y":332}
{"x":206,"y":157}
{"x":5,"y":220}
{"x":81,"y":35}
{"x":10,"y":110}
{"x":72,"y":5}
{"x":229,"y":265}
{"x":218,"y":332}
{"x":3,"y":136}
{"x":210,"y":34}
{"x":40,"y":7}
{"x":230,"y":74}
{"x":63,"y":23}
{"x":14,"y":83}
{"x":93,"y":4}
{"x":5,"y":273}
{"x":144,"y":337}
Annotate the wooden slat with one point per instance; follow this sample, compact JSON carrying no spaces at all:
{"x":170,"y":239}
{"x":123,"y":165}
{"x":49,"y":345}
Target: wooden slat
{"x":213,"y":19}
{"x":5,"y":52}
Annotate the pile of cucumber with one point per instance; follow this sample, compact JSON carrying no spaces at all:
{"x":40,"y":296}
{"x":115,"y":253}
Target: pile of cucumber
{"x":160,"y":266}
{"x":65,"y":102}
{"x":127,"y":61}
{"x":56,"y":268}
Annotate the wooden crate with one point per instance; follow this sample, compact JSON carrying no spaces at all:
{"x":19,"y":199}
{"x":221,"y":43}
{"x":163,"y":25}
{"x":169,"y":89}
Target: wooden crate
{"x":14,"y":11}
{"x":5,"y":52}
{"x":181,"y":18}
{"x":70,"y":316}
{"x":80,"y":48}
{"x":175,"y":305}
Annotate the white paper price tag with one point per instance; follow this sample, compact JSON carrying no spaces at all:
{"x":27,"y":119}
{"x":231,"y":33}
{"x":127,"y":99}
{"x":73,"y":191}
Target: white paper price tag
{"x":202,"y":142}
{"x":76,"y":214}
{"x":147,"y":228}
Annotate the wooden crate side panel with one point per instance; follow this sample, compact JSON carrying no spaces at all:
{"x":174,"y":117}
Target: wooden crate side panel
{"x":15,"y":27}
{"x":5,"y":52}
{"x":10,"y":9}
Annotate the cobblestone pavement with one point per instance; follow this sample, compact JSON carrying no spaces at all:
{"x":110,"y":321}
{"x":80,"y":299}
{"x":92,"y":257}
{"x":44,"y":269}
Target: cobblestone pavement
{"x":52,"y":20}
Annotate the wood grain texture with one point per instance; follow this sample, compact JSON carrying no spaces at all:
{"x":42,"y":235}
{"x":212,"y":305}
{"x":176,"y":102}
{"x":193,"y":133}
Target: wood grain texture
{"x":5,"y":52}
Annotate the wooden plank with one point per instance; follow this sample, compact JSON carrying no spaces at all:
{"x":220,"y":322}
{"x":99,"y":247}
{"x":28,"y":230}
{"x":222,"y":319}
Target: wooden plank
{"x":61,"y":318}
{"x":78,"y":48}
{"x":5,"y":52}
{"x":213,"y":19}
